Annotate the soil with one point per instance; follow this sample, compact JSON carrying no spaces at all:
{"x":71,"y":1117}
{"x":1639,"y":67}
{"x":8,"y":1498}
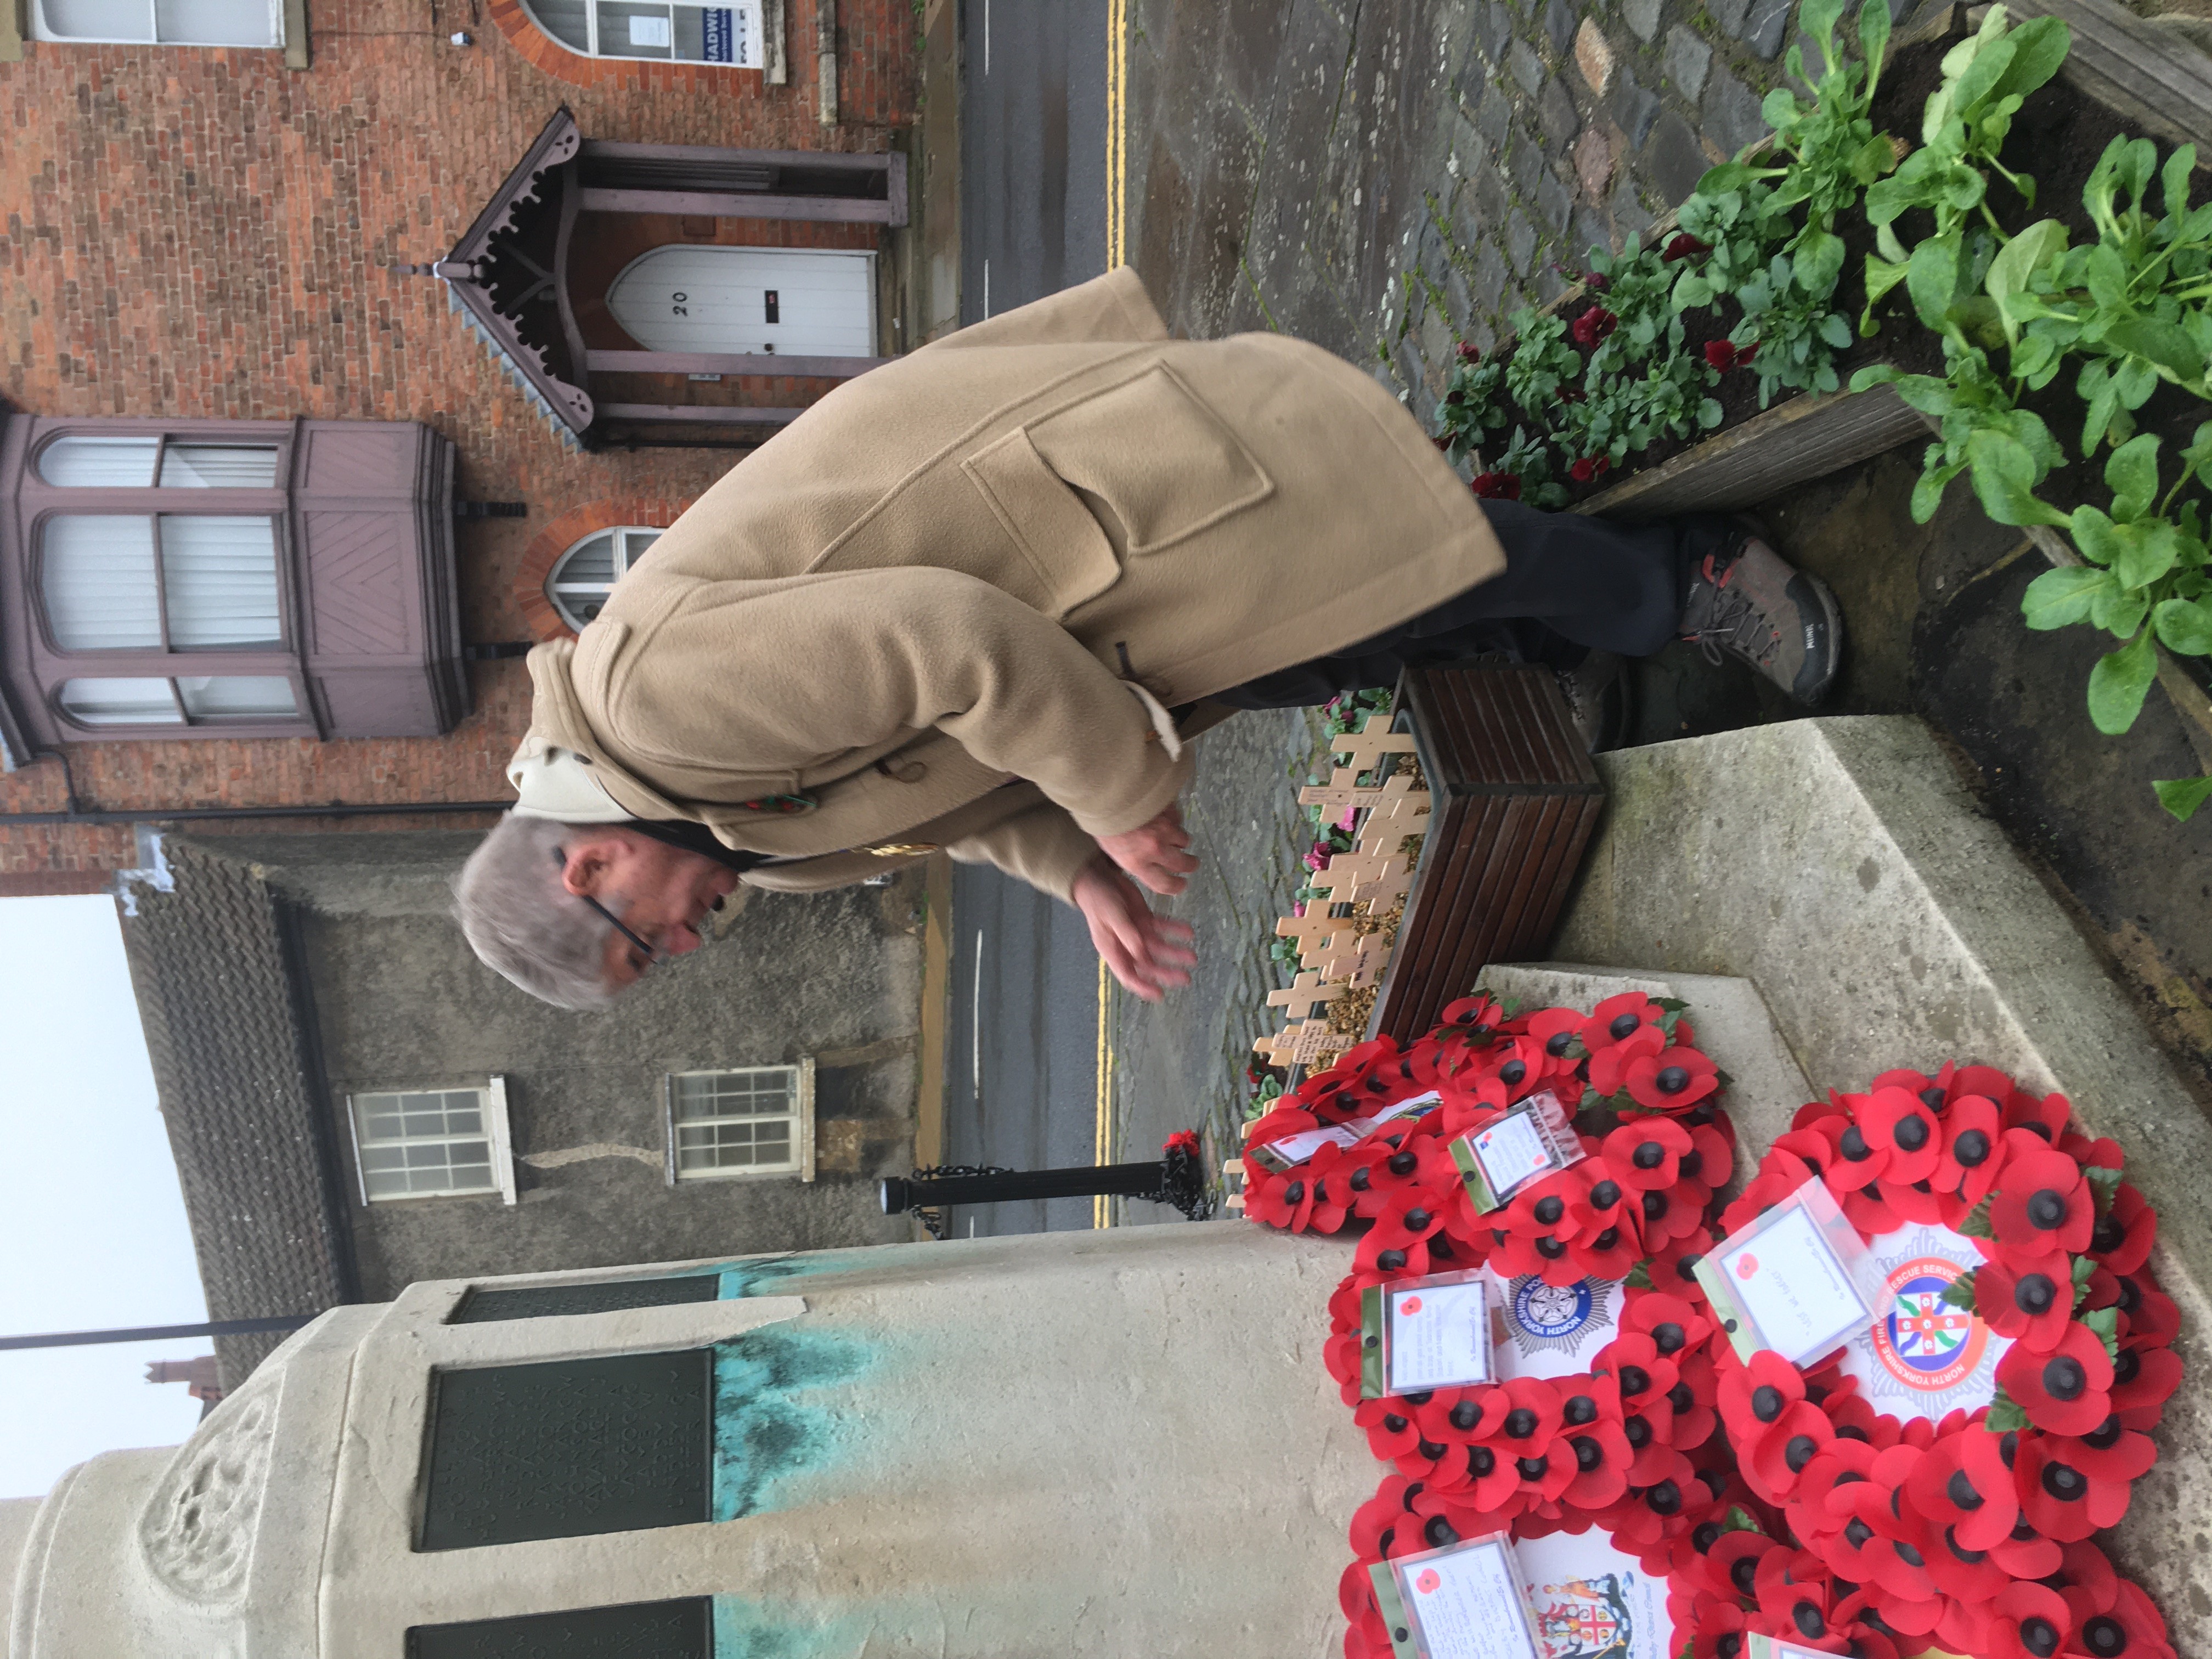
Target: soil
{"x":2056,"y":138}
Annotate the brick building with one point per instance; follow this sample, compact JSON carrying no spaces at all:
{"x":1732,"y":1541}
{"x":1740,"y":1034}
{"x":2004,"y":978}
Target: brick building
{"x":342,"y":281}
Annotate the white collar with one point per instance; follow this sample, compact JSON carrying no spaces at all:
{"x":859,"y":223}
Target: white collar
{"x":559,"y":784}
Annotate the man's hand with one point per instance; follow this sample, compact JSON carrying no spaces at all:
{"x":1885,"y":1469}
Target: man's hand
{"x":1148,"y":953}
{"x":1157,"y":854}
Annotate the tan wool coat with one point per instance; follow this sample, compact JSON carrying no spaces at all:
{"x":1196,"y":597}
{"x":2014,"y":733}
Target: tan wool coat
{"x":913,"y":611}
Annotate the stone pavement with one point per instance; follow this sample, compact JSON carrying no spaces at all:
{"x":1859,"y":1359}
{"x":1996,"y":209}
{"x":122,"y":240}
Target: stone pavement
{"x":1384,"y":178}
{"x":1179,"y":1063}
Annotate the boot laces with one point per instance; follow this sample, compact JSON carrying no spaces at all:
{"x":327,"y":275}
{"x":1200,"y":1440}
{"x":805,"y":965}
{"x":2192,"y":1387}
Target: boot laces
{"x":1735,"y":625}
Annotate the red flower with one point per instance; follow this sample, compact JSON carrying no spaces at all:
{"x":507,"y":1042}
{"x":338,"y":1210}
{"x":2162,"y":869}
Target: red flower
{"x":2149,"y":1318}
{"x":1905,"y":1130}
{"x":2123,"y":1236}
{"x":1588,"y":468}
{"x":1964,"y":1483}
{"x":2063,"y":1503}
{"x":1684,"y":246}
{"x":1672,"y":1324}
{"x":2130,"y":1623}
{"x":2042,"y":1200}
{"x":1469,"y":352}
{"x":1724,"y":356}
{"x":2031,"y":1299}
{"x":1673,"y":1268}
{"x":1389,"y":1424}
{"x":2029,"y":1621}
{"x":1785,"y":1447}
{"x":1673,"y":1081}
{"x":2107,"y":1452}
{"x":1973,"y":1150}
{"x":1602,"y":1458}
{"x":1498,"y":486}
{"x":1644,"y":1154}
{"x":1795,"y":1596}
{"x":2044,"y":1119}
{"x":2143,"y":1379}
{"x":1593,"y":326}
{"x":1752,"y":1397}
{"x":2064,"y":1391}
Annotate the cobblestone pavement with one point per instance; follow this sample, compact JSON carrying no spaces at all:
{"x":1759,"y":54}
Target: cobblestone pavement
{"x":1179,"y":1063}
{"x":1382,"y":177}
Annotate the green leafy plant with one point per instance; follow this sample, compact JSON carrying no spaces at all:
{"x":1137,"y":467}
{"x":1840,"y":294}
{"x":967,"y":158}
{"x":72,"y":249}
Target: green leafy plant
{"x":2007,"y":450}
{"x":2145,"y":578}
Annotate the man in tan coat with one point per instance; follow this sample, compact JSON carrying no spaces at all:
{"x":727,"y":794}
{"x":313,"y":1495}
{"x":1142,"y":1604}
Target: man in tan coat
{"x":981,"y":598}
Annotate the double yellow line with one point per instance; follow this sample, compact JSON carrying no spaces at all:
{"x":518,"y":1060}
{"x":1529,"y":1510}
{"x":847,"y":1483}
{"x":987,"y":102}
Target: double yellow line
{"x":1117,"y":254}
{"x":1117,"y":133}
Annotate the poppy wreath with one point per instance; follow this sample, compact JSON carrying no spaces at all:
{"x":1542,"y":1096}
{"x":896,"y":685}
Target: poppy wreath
{"x":1967,"y":1529}
{"x":1630,"y":1446}
{"x":1657,"y":1146}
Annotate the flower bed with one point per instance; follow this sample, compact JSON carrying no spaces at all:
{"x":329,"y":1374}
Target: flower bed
{"x":2054,"y":332}
{"x":1811,"y":1504}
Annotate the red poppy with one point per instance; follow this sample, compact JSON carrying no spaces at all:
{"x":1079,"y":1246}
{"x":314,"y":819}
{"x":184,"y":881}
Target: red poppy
{"x":1719,"y":1630}
{"x":1602,"y":1457}
{"x":1281,"y":1200}
{"x":1962,"y":1572}
{"x":2044,"y":1119}
{"x":1673,"y":1081}
{"x":1963,"y":1482}
{"x":2125,"y":1233}
{"x":1608,"y":1249}
{"x":2113,"y":1614}
{"x":1892,"y":1544}
{"x":2108,"y":1452}
{"x":2042,"y":1201}
{"x":2031,"y":1299}
{"x":1391,"y":1431}
{"x":1671,"y":1323}
{"x":2065,"y":1390}
{"x":2060,"y":1502}
{"x":1378,"y":1516}
{"x":1589,"y":468}
{"x":2027,"y":1621}
{"x":1795,"y":1596}
{"x":1819,"y":1505}
{"x":1772,"y":1461}
{"x":1672,"y":1267}
{"x":1853,"y":1160}
{"x":1378,"y":1263}
{"x":1644,"y":1154}
{"x":1540,"y":1255}
{"x":1616,"y":1019}
{"x":2143,"y":1379}
{"x":1904,"y":1129}
{"x":1461,"y":1416}
{"x":1413,"y":1216}
{"x":1754,"y":1396}
{"x":1731,"y":1567}
{"x":1683,"y":245}
{"x":2149,"y":1317}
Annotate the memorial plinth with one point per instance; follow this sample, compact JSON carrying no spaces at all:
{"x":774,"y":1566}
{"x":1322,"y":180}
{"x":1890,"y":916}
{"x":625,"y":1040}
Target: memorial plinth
{"x":1077,"y":1444}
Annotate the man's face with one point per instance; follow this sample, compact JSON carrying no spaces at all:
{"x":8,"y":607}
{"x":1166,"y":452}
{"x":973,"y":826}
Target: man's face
{"x":661,"y":893}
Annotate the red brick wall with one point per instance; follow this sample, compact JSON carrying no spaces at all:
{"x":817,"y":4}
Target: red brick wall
{"x":204,"y":234}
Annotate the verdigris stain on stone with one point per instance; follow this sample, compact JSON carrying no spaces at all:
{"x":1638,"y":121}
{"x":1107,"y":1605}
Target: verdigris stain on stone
{"x":766,"y":1428}
{"x":745,"y":1630}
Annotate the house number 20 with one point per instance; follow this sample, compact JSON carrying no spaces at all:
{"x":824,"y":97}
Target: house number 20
{"x":680,"y":301}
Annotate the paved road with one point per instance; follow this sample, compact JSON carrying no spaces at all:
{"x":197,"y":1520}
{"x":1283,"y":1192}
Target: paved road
{"x":1021,"y":1088}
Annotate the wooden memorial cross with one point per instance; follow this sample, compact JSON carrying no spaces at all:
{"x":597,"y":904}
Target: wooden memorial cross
{"x":1394,"y":795}
{"x":1305,"y":997}
{"x":1372,"y":742}
{"x":1314,"y":932}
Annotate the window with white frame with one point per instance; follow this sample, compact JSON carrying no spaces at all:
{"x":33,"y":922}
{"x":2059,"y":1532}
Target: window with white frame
{"x":582,"y":577}
{"x":670,"y":31}
{"x":161,"y":22}
{"x":420,"y":1143}
{"x":758,"y":1119}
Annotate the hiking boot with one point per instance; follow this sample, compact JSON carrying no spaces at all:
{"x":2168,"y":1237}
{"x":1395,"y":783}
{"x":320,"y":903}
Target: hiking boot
{"x":1744,"y":600}
{"x":1598,"y":700}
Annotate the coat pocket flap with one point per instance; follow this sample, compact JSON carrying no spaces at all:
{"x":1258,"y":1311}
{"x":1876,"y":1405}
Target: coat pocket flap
{"x":1167,"y":465}
{"x":1067,"y":558}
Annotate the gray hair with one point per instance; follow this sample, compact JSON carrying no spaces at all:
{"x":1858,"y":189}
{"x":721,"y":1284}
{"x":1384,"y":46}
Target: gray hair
{"x":524,"y":924}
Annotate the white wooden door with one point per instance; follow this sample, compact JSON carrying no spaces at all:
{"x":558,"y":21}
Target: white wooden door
{"x":793,"y":301}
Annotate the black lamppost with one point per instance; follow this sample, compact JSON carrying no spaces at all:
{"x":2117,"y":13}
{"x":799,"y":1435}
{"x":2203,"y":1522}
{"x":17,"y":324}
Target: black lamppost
{"x":1176,"y":1177}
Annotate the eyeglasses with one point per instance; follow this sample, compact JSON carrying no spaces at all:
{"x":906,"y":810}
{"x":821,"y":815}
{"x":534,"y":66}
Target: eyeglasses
{"x":652,"y":952}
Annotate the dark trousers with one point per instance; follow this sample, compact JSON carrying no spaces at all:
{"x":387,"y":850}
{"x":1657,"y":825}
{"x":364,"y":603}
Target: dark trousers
{"x":1571,"y":585}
